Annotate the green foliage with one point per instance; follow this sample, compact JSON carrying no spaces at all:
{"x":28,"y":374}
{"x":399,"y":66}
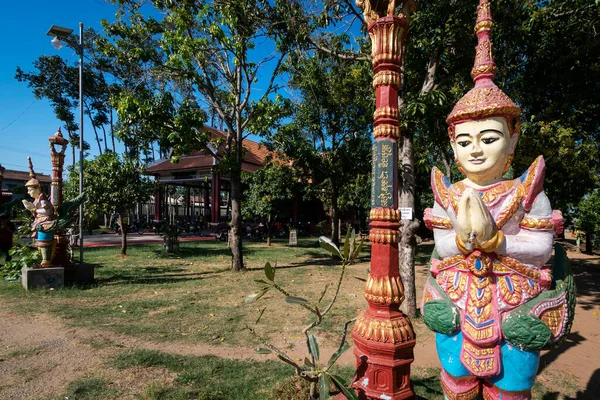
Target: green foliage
{"x":112,"y":182}
{"x":588,"y":213}
{"x":270,"y":191}
{"x":328,"y":136}
{"x":206,"y":377}
{"x":21,"y":257}
{"x":90,"y":389}
{"x":313,"y":369}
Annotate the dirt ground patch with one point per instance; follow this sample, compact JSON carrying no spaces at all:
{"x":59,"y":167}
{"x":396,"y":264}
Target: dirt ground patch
{"x":40,"y":355}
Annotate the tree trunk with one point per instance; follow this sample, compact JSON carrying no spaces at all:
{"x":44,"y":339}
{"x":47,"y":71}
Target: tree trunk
{"x":269,"y":229}
{"x":235,"y":235}
{"x":105,"y":141}
{"x":112,"y":132}
{"x":335,"y":217}
{"x":589,"y":243}
{"x":123,"y":234}
{"x":408,"y":228}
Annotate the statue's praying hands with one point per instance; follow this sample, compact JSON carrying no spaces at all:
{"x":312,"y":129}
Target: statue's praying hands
{"x":475,"y":223}
{"x":28,"y":205}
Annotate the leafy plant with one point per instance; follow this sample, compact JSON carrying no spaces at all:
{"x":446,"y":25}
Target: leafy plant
{"x":314,"y":369}
{"x":21,"y":257}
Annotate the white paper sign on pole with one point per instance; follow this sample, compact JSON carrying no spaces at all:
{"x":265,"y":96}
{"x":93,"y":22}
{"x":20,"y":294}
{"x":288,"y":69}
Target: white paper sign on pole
{"x":406,"y":213}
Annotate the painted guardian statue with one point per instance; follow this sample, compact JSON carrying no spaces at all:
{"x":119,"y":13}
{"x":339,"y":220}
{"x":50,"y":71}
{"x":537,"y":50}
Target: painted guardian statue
{"x":490,"y":297}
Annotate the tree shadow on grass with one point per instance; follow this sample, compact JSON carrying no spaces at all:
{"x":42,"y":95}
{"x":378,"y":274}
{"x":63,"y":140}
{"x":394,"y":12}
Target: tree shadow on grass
{"x":125,"y":277}
{"x":587,"y":279}
{"x":548,"y":358}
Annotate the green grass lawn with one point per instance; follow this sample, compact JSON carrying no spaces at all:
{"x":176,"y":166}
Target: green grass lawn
{"x":193,"y":297}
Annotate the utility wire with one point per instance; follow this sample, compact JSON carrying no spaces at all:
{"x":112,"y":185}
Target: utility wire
{"x":29,"y":106}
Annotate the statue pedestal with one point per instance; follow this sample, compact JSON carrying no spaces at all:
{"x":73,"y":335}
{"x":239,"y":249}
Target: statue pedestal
{"x":43,"y":278}
{"x":79,"y":274}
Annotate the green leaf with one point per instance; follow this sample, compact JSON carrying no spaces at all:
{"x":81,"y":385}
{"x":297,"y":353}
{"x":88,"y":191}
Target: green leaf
{"x":357,"y":250}
{"x":270,"y":271}
{"x":313,"y":346}
{"x":339,"y":383}
{"x":262,"y":350}
{"x":360,"y":279}
{"x":262,"y":281}
{"x":295,"y":300}
{"x":260,"y":315}
{"x":256,"y":295}
{"x":328,"y":245}
{"x":347,"y":245}
{"x":324,"y":387}
{"x":341,"y":350}
{"x":308,"y":363}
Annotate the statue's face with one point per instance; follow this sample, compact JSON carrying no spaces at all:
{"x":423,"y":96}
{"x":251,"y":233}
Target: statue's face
{"x":33,"y":191}
{"x":482,"y":148}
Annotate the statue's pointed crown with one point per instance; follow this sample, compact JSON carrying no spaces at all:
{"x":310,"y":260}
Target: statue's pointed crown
{"x":485,"y":99}
{"x":33,"y":181}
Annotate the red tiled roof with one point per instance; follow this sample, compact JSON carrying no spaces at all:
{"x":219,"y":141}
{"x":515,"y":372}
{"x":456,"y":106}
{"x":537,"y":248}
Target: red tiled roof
{"x":196,"y":161}
{"x":24,"y":176}
{"x":254,"y":157}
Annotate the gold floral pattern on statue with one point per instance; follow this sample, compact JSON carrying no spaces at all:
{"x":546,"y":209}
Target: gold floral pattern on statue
{"x":384,"y":290}
{"x":554,"y":318}
{"x":440,"y":223}
{"x":394,"y":331}
{"x":481,"y":103}
{"x":450,"y":262}
{"x":532,"y":223}
{"x":477,"y":365}
{"x":510,"y":289}
{"x":478,"y":334}
{"x":508,"y":264}
{"x":469,"y":395}
{"x":455,"y":284}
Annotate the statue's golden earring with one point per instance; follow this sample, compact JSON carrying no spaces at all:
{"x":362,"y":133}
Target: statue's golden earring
{"x":508,"y":163}
{"x":460,"y":168}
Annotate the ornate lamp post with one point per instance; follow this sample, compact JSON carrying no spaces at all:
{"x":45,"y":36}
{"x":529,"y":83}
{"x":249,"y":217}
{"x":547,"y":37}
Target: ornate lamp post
{"x":61,"y":256}
{"x":63,"y":33}
{"x":383,"y":336}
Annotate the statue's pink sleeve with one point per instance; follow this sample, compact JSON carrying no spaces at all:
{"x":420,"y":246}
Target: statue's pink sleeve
{"x":445,"y":239}
{"x":531,"y":246}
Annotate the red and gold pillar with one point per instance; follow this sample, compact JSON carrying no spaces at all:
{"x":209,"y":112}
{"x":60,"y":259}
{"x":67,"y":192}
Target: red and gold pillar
{"x":383,"y":336}
{"x":61,"y":256}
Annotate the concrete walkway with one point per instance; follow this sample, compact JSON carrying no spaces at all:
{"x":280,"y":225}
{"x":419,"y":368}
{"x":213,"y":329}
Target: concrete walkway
{"x":110,"y":239}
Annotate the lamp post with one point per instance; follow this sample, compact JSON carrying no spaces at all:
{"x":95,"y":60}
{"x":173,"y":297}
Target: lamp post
{"x":59,"y":33}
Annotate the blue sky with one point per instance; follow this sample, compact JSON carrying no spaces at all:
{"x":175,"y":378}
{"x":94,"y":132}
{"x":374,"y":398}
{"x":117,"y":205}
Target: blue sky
{"x":24,"y":25}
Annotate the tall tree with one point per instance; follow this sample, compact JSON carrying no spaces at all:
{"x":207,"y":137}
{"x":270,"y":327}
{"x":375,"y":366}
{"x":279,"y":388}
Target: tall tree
{"x":270,"y":193}
{"x":53,"y":79}
{"x":207,"y":53}
{"x":588,"y":219}
{"x":114,"y":183}
{"x":329,"y":134}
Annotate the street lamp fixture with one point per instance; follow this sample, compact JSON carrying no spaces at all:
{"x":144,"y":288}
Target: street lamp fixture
{"x":59,"y":33}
